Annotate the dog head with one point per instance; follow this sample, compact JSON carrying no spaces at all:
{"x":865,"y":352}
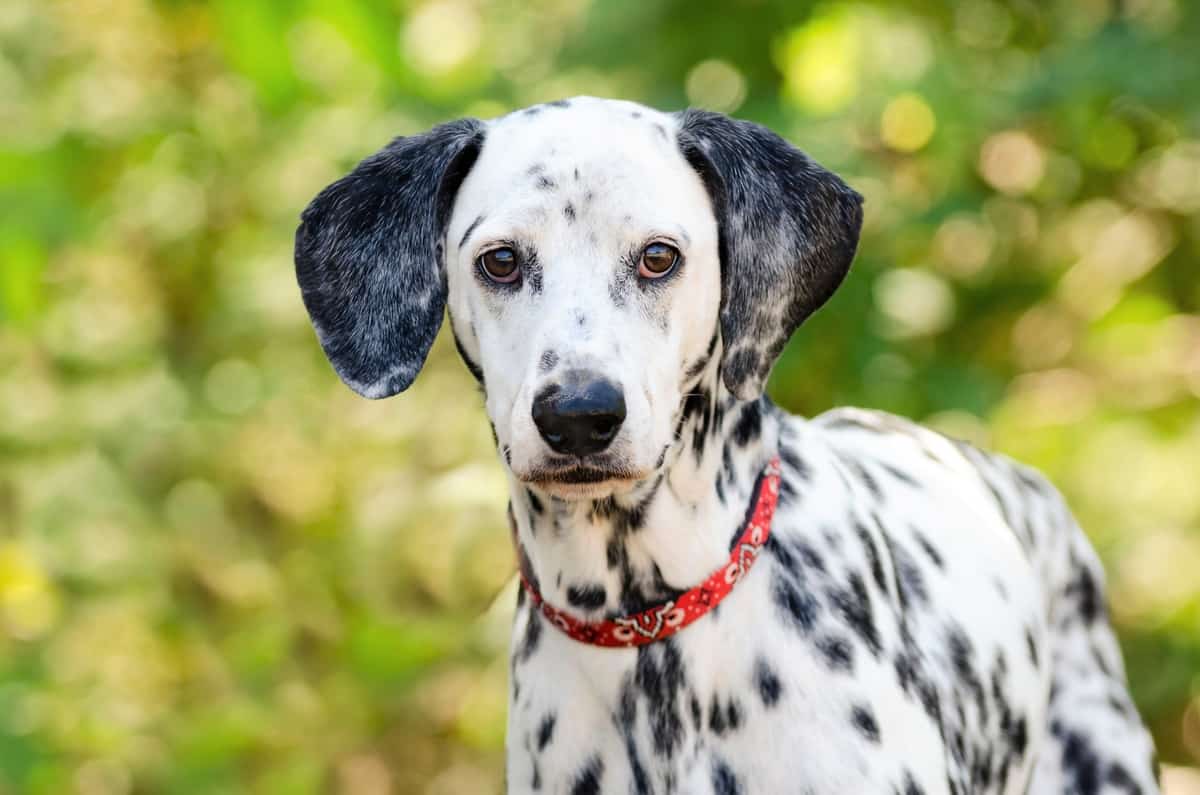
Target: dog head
{"x":595,"y":256}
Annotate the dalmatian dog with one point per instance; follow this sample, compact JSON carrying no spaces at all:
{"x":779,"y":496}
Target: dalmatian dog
{"x":716,"y":597}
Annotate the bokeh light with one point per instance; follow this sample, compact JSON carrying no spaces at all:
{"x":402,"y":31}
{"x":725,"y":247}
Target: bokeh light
{"x":907,"y":123}
{"x":1012,"y":162}
{"x":715,"y":85}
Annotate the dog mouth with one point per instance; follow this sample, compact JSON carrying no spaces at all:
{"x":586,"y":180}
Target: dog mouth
{"x":581,"y":473}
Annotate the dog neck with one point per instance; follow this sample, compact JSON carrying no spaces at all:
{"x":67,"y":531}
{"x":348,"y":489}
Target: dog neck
{"x":614,"y":556}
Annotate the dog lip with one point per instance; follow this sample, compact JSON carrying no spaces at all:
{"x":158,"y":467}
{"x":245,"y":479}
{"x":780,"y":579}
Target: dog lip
{"x":580,"y":474}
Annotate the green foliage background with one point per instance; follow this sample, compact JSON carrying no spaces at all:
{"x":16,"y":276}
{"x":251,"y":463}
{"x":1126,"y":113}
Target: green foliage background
{"x":222,"y":572}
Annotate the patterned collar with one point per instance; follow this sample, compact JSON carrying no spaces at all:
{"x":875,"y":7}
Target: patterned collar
{"x":664,"y":620}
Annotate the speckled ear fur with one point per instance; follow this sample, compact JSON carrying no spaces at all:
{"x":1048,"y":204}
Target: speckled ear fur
{"x":788,"y":231}
{"x":369,"y":256}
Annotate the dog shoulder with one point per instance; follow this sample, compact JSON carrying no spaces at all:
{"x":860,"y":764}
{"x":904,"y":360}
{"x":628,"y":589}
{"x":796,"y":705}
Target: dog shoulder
{"x":910,"y":452}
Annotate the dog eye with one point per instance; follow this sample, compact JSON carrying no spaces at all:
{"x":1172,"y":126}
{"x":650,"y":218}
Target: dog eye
{"x":500,"y":265}
{"x":658,"y":259}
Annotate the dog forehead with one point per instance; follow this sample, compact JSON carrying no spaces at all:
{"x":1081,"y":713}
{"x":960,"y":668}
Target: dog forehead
{"x":602,"y":161}
{"x":582,"y":138}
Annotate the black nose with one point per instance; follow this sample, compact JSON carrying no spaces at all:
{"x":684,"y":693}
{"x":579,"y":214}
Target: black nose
{"x":580,"y":416}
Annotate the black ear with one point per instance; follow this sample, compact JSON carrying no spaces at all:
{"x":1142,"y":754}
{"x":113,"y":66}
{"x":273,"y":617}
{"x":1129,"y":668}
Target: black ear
{"x":369,"y":256}
{"x":788,"y":230}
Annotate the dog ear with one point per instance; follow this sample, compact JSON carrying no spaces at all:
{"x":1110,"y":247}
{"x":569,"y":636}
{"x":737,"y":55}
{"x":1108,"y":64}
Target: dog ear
{"x":369,"y":256}
{"x":787,"y":228}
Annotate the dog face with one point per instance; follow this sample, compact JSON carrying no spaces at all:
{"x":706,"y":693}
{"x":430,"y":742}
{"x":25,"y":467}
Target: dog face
{"x":609,"y":288}
{"x":595,"y":257}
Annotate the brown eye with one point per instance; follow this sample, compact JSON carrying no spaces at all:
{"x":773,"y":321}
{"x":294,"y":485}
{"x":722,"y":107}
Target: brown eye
{"x":658,"y":259}
{"x":500,"y":265}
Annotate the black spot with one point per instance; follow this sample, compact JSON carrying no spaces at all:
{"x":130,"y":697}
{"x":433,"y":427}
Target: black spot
{"x":767,"y":683}
{"x":569,"y":211}
{"x":872,"y":553}
{"x":473,"y":368}
{"x":866,"y":477}
{"x":533,"y":635}
{"x":1087,"y":595}
{"x":798,"y":605}
{"x":716,"y":717}
{"x":724,"y":780}
{"x":546,"y":731}
{"x":548,"y":361}
{"x":779,"y":549}
{"x":727,"y":718}
{"x":620,"y":285}
{"x":900,"y":475}
{"x":588,"y":780}
{"x":1118,"y":706}
{"x":700,"y":405}
{"x":474,"y":224}
{"x":913,"y":681}
{"x":535,"y":504}
{"x":637,"y":114}
{"x":1080,"y":763}
{"x":727,"y":467}
{"x":661,"y":130}
{"x":837,"y":652}
{"x":910,"y":578}
{"x":962,"y":657}
{"x":586,"y":597}
{"x":864,"y":721}
{"x":545,"y":183}
{"x":749,"y":424}
{"x":614,"y":551}
{"x":560,"y":103}
{"x":1018,"y":736}
{"x":1119,"y":777}
{"x":660,"y":675}
{"x":787,"y":494}
{"x":531,"y":272}
{"x":853,"y":605}
{"x":1031,"y":647}
{"x":929,"y":549}
{"x":733,"y":714}
{"x":626,"y":722}
{"x":911,"y":787}
{"x":810,"y":556}
{"x":797,"y":464}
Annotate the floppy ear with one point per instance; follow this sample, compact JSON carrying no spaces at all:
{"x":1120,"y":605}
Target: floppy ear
{"x":369,"y":256}
{"x":788,"y":230}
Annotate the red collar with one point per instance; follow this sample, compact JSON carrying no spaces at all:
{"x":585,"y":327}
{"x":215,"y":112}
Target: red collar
{"x":664,"y":620}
